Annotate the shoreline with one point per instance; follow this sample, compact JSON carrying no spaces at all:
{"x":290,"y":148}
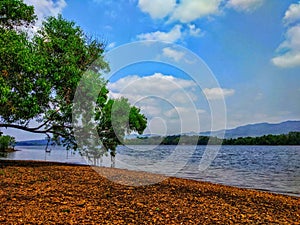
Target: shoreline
{"x":52,"y":192}
{"x":161,"y":177}
{"x":9,"y":150}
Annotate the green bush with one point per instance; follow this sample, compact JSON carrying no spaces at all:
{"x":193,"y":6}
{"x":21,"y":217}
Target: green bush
{"x":6,"y":142}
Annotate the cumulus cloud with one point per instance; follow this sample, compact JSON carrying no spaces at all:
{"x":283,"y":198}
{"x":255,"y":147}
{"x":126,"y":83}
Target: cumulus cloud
{"x":172,"y":36}
{"x":217,"y":93}
{"x":244,"y":5}
{"x":162,"y":96}
{"x":288,"y":52}
{"x":177,"y":33}
{"x":190,"y":10}
{"x":156,"y":8}
{"x":46,"y":8}
{"x":150,"y":85}
{"x":290,"y":59}
{"x":292,"y":14}
{"x":184,"y":11}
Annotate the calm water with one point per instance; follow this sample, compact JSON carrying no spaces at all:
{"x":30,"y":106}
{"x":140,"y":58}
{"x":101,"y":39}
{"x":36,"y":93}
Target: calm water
{"x":271,"y":168}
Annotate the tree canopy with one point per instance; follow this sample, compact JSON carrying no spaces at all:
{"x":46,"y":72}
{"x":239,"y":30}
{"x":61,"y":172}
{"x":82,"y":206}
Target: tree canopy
{"x":15,"y":13}
{"x":39,"y":76}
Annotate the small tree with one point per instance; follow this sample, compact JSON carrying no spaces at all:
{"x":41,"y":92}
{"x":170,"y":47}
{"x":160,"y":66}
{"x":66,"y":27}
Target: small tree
{"x":6,"y":142}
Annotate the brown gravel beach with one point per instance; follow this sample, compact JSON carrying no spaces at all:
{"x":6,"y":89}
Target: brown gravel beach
{"x":53,"y":193}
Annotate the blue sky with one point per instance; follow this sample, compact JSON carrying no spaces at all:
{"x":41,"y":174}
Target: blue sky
{"x":251,"y":47}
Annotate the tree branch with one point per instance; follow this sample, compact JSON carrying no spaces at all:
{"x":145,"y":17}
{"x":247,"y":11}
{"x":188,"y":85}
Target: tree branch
{"x":32,"y":130}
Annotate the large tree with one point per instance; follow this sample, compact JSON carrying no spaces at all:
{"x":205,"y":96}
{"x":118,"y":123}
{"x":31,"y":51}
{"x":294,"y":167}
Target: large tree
{"x":39,"y":76}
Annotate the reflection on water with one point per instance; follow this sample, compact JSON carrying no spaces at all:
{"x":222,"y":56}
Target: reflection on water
{"x":271,"y":168}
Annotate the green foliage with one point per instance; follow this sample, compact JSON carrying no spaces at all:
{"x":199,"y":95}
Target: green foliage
{"x":15,"y":13}
{"x":119,"y":118}
{"x":39,"y":77}
{"x":22,"y":97}
{"x":6,"y":142}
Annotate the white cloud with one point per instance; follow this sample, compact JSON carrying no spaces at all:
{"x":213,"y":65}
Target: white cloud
{"x":292,"y":14}
{"x":150,"y":85}
{"x":173,"y":54}
{"x":244,"y":5}
{"x":157,"y":8}
{"x":289,"y":50}
{"x":193,"y":30}
{"x":217,"y":93}
{"x":172,"y":36}
{"x":184,"y":11}
{"x":190,"y":10}
{"x":290,"y":59}
{"x":163,"y":96}
{"x":292,"y":38}
{"x":46,"y":8}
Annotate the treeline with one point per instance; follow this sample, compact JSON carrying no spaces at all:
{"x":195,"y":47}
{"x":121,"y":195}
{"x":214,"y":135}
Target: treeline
{"x":292,"y":138}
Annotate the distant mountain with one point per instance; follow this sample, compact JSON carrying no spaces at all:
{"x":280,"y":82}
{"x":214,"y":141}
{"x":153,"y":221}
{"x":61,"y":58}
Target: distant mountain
{"x":32,"y":143}
{"x":256,"y":130}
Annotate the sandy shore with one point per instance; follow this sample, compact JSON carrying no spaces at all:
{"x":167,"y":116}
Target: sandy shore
{"x":53,"y":193}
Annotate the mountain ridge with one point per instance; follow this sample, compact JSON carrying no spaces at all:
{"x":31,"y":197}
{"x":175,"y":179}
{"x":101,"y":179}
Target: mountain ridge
{"x":257,"y":129}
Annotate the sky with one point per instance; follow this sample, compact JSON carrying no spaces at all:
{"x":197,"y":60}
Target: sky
{"x":214,"y":64}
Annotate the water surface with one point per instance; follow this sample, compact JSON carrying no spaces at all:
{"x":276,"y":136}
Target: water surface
{"x":271,"y":168}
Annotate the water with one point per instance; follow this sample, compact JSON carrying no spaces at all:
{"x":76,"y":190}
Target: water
{"x":271,"y":168}
{"x":57,"y":154}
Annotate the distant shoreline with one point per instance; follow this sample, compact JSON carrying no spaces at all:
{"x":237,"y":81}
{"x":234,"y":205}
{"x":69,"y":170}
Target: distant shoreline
{"x":292,"y":138}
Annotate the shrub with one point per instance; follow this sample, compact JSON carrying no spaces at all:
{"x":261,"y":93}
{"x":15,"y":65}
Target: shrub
{"x":6,"y":142}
